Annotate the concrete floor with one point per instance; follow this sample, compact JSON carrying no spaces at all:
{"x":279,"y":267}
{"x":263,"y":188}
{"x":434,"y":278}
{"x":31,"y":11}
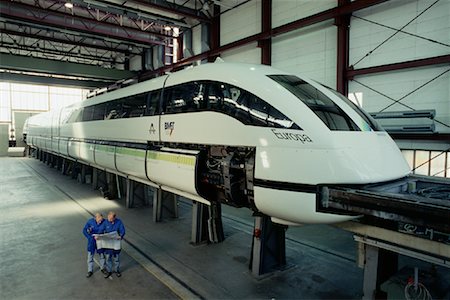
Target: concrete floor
{"x":43,"y":250}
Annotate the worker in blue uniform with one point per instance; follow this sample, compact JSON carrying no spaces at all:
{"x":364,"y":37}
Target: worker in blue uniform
{"x":93,"y":226}
{"x":113,"y":224}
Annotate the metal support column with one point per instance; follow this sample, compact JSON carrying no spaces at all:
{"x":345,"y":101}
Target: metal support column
{"x":111,"y":187}
{"x":214,"y":32}
{"x":135,"y":190}
{"x":63,"y":166}
{"x":130,"y":194}
{"x":75,"y":169}
{"x":164,"y":204}
{"x":95,"y":172}
{"x":343,"y":23}
{"x":81,"y":176}
{"x":199,"y":231}
{"x":266,"y":26}
{"x":268,"y":247}
{"x":215,"y":226}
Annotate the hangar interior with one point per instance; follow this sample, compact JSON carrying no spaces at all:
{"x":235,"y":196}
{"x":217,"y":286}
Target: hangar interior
{"x":391,"y":58}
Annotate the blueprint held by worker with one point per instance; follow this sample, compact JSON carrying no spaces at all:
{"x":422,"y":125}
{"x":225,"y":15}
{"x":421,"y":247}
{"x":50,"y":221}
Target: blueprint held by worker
{"x":109,"y":240}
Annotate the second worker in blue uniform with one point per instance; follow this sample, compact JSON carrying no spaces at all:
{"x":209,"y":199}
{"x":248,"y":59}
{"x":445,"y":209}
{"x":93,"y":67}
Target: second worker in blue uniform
{"x":113,"y":224}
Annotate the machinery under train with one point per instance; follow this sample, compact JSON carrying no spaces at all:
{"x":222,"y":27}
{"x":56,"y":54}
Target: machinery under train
{"x":245,"y":135}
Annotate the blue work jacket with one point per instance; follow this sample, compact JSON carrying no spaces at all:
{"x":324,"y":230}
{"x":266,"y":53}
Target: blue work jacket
{"x":91,"y":228}
{"x":111,"y":227}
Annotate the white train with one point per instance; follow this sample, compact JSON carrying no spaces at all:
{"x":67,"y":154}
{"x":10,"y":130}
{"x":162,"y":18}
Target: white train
{"x":245,"y":135}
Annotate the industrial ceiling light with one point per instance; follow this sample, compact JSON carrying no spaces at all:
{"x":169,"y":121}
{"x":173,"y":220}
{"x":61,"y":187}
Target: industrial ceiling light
{"x":68,"y":5}
{"x":167,"y":28}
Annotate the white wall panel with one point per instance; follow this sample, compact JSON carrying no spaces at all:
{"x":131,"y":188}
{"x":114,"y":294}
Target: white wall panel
{"x":285,"y":11}
{"x":136,"y":63}
{"x":197,"y":39}
{"x":310,"y":51}
{"x":365,"y":36}
{"x":434,"y":95}
{"x":248,"y":54}
{"x":240,"y":22}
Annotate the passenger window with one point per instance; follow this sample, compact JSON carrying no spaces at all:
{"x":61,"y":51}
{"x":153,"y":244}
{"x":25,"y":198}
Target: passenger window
{"x":324,"y":107}
{"x":99,"y":112}
{"x":186,"y":97}
{"x":246,"y":107}
{"x":113,"y":110}
{"x":215,"y":96}
{"x":87,"y":113}
{"x":134,"y":106}
{"x":153,"y":103}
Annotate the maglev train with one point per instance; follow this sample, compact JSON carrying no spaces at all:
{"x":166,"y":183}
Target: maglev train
{"x":244,"y":135}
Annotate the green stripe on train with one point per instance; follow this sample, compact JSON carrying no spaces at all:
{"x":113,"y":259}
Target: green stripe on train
{"x":155,"y":155}
{"x":172,"y":158}
{"x":131,"y":152}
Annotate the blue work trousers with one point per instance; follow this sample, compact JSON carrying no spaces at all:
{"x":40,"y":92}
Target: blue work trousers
{"x":90,"y":261}
{"x":113,"y":259}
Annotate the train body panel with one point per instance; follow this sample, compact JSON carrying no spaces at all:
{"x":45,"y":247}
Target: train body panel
{"x":105,"y":156}
{"x":174,"y":168}
{"x":355,"y":159}
{"x":131,"y":161}
{"x":245,"y":135}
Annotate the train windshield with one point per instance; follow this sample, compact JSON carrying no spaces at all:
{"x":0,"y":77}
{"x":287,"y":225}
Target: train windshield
{"x":334,"y":117}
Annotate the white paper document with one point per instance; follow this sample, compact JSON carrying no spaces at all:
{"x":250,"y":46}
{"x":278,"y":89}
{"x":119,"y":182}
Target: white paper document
{"x":109,"y":240}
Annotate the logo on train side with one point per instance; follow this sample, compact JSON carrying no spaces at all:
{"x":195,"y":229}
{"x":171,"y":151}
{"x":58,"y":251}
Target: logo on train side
{"x":169,"y":127}
{"x":303,"y":138}
{"x":152,"y":129}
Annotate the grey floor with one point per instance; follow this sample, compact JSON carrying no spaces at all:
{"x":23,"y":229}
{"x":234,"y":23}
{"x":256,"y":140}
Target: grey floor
{"x":43,"y":250}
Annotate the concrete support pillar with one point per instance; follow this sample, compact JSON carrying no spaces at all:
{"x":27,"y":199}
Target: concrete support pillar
{"x":135,"y":191}
{"x":207,"y":224}
{"x":199,"y":231}
{"x":215,"y":226}
{"x":268,"y":246}
{"x":130,"y":193}
{"x":379,"y":266}
{"x":95,"y":178}
{"x":64,"y":166}
{"x":165,"y":204}
{"x":83,"y":173}
{"x":109,"y":190}
{"x":74,"y":170}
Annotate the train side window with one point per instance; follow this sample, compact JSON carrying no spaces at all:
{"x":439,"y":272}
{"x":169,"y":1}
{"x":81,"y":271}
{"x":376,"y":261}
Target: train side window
{"x":75,"y":115}
{"x":214,"y":96}
{"x":246,"y":107}
{"x":184,"y":98}
{"x":324,"y":107}
{"x":87,"y":113}
{"x":99,"y":112}
{"x":113,"y":110}
{"x":134,"y":106}
{"x":153,"y":103}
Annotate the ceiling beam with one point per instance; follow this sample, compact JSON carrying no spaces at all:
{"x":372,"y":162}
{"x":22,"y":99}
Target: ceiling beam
{"x":18,"y":11}
{"x":62,"y":41}
{"x":178,"y":10}
{"x":125,"y":7}
{"x":62,"y":54}
{"x":53,"y":67}
{"x":417,"y":63}
{"x":301,"y":23}
{"x":53,"y":81}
